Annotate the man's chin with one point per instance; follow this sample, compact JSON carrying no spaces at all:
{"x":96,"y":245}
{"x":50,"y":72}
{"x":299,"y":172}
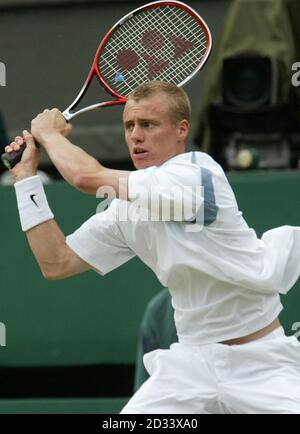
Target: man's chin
{"x":141,"y":164}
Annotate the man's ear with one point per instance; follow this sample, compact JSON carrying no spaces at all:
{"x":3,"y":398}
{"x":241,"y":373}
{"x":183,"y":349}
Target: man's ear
{"x":183,"y":129}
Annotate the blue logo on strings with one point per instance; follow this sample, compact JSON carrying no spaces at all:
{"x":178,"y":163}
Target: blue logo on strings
{"x":119,"y":77}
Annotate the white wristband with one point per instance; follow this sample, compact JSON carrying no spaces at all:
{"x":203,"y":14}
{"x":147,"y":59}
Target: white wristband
{"x":32,"y":202}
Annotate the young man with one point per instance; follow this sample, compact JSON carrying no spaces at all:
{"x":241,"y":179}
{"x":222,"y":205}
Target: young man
{"x":232,"y":354}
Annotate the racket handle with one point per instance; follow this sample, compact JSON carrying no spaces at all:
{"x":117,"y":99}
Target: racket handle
{"x":10,"y":159}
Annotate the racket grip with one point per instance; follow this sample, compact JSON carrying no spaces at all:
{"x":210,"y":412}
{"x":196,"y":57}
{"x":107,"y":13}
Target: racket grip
{"x":10,"y":159}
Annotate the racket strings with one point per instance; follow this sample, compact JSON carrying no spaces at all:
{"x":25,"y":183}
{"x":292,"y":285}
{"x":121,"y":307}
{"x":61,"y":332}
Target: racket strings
{"x":162,"y":43}
{"x":166,"y":20}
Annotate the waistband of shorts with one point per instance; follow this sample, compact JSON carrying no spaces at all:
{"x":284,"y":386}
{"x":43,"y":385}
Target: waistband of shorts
{"x":279,"y":332}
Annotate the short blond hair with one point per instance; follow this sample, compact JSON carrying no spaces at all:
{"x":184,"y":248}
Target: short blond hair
{"x":180,"y":106}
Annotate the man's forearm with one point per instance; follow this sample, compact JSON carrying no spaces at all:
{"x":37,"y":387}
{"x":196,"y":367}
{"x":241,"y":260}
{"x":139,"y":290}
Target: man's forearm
{"x":76,"y":166}
{"x":45,"y":238}
{"x":81,"y":170}
{"x":72,"y":162}
{"x":47,"y":243}
{"x":55,"y":258}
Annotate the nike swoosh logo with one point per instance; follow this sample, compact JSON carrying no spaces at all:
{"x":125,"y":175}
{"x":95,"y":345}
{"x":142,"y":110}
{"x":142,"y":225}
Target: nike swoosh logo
{"x":32,"y":198}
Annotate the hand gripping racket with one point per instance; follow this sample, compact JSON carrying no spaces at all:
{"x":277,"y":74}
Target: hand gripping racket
{"x":163,"y":40}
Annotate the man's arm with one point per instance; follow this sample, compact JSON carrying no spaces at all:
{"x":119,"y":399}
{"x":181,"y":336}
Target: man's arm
{"x":75,"y":165}
{"x":80,"y":169}
{"x":47,"y":242}
{"x":54,"y":256}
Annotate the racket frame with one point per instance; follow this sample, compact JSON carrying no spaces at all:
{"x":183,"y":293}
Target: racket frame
{"x":95,"y":69}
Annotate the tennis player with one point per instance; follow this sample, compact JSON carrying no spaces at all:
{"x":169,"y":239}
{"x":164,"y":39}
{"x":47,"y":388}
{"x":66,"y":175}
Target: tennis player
{"x":232,"y":355}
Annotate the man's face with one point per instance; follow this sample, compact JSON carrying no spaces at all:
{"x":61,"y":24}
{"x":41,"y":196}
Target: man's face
{"x":151,"y":136}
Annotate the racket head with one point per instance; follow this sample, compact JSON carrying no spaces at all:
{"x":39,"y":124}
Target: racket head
{"x":163,"y":40}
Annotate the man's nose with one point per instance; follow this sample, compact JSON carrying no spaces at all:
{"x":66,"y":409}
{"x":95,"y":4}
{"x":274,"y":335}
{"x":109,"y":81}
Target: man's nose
{"x":137,"y":134}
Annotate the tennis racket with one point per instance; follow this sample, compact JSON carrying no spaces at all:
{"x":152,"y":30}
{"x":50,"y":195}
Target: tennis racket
{"x":163,"y":40}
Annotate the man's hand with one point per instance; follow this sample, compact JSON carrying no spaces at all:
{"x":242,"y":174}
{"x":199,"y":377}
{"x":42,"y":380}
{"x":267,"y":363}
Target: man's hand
{"x":30,"y":159}
{"x":49,"y":123}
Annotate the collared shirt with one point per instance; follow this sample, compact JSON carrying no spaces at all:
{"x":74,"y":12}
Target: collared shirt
{"x":224,"y":280}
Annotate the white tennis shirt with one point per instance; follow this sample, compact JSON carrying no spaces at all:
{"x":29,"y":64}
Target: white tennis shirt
{"x":224,"y":281}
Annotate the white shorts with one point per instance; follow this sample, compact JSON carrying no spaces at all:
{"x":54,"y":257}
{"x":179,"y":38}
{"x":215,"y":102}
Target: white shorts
{"x":262,"y":376}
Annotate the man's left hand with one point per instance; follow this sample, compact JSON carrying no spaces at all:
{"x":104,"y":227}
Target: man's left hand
{"x":49,"y":123}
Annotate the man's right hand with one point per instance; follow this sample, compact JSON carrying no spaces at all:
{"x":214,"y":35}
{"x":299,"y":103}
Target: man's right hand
{"x":30,"y":159}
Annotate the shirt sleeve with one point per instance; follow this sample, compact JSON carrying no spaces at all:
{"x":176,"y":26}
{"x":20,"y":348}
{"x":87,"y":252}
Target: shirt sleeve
{"x":169,"y":192}
{"x":100,"y":242}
